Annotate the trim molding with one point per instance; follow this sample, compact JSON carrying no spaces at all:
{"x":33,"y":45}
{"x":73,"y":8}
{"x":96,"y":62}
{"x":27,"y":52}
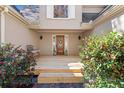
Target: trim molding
{"x":60,"y":30}
{"x":2,"y":25}
{"x":66,"y":44}
{"x":87,"y":26}
{"x":13,"y":13}
{"x":16,"y":15}
{"x":1,"y":8}
{"x":108,"y":15}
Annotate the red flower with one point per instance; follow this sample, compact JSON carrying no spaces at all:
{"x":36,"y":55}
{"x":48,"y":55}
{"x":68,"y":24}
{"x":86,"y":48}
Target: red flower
{"x":1,"y":63}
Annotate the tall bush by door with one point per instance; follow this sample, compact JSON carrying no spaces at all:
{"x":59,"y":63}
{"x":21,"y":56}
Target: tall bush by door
{"x":13,"y":63}
{"x":103,"y":59}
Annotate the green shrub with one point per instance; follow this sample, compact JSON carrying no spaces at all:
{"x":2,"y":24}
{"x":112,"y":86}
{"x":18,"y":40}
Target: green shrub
{"x":103,"y":59}
{"x":14,"y":62}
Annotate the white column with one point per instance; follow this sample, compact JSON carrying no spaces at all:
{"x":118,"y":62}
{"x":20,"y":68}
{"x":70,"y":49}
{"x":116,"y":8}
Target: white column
{"x":66,"y":45}
{"x":50,"y":10}
{"x":2,"y":29}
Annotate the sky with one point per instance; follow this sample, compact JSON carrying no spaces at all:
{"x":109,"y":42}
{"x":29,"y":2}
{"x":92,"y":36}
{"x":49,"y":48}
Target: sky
{"x":31,"y":13}
{"x":19,"y":7}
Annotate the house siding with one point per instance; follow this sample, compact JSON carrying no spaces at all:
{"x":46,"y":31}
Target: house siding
{"x":47,"y":23}
{"x":108,"y":26}
{"x":46,"y":43}
{"x":18,"y":34}
{"x":102,"y":29}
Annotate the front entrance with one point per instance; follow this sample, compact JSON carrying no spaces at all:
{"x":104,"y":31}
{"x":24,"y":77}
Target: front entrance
{"x":60,"y":44}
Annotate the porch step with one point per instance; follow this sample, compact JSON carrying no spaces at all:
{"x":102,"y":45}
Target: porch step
{"x":58,"y":70}
{"x":60,"y":78}
{"x":63,"y":67}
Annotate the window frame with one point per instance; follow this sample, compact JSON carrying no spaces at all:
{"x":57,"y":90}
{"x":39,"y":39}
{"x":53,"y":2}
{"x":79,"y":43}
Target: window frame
{"x":50,"y":12}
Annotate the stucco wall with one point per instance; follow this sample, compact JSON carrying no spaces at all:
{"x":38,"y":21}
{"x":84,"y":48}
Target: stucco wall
{"x":114,"y":24}
{"x":18,"y":34}
{"x":47,"y":23}
{"x":118,"y":23}
{"x":46,"y":43}
{"x":102,"y":29}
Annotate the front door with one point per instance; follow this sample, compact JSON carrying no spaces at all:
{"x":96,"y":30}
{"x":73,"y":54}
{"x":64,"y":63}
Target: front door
{"x":60,"y":44}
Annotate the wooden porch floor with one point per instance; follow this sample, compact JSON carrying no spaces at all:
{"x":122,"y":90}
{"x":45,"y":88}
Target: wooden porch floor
{"x":59,"y":69}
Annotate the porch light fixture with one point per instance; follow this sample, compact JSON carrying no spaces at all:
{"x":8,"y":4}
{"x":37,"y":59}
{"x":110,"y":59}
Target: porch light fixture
{"x":79,"y":37}
{"x":41,"y":37}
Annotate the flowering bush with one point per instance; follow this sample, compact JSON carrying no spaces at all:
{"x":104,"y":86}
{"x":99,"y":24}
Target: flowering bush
{"x":14,"y":62}
{"x":103,"y":59}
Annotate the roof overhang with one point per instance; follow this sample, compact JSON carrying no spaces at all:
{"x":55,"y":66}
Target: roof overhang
{"x":8,"y":10}
{"x":107,"y":15}
{"x":15,"y":14}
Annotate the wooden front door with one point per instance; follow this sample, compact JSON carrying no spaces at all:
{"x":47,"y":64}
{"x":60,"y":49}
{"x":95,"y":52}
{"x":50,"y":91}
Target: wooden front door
{"x":60,"y":44}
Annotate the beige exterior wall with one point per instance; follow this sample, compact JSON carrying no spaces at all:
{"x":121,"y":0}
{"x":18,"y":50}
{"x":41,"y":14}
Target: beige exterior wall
{"x":74,"y":42}
{"x":17,"y":33}
{"x":118,"y":23}
{"x":47,"y":23}
{"x":46,"y":43}
{"x":113,"y":24}
{"x":102,"y":29}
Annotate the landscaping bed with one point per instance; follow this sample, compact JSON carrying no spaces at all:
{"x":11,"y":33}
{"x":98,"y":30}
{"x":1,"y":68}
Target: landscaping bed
{"x":16,"y":66}
{"x":23,"y":81}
